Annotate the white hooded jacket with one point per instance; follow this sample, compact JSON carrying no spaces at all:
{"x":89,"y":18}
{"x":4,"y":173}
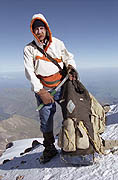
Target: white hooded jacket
{"x":33,"y":58}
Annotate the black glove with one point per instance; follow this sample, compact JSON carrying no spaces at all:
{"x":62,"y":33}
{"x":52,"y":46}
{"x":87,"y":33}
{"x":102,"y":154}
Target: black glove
{"x":72,"y":73}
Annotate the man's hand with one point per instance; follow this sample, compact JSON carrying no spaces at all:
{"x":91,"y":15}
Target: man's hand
{"x":45,"y":96}
{"x":72,"y":73}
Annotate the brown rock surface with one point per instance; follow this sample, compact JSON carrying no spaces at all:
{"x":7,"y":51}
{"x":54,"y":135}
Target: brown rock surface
{"x":18,"y":127}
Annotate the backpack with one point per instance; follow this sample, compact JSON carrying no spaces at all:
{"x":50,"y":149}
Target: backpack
{"x":83,"y":121}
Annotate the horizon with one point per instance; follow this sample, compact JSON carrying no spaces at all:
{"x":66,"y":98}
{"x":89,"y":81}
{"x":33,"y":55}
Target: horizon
{"x":78,"y":69}
{"x":101,"y":82}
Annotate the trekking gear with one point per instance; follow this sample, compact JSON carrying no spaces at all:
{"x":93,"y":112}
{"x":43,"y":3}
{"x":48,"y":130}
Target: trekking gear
{"x":45,"y":96}
{"x":83,"y":121}
{"x":37,"y":64}
{"x":50,"y":151}
{"x":77,"y":161}
{"x":54,"y":91}
{"x":98,"y":116}
{"x":48,"y":139}
{"x":41,"y":18}
{"x":47,"y":56}
{"x":48,"y":154}
{"x":50,"y":81}
{"x":72,"y":73}
{"x":55,"y":79}
{"x":110,"y":144}
{"x":106,"y":107}
{"x":63,"y":72}
{"x":37,"y":23}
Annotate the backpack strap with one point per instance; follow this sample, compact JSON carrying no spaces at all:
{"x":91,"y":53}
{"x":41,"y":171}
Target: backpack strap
{"x":47,"y":55}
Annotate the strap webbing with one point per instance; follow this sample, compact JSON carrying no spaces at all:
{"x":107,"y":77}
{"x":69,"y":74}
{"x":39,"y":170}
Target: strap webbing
{"x":47,"y":55}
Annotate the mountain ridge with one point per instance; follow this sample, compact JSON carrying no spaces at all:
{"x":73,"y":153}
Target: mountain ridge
{"x":17,"y":127}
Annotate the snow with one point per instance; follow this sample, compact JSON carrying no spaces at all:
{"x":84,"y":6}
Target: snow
{"x":113,"y":109}
{"x":29,"y":168}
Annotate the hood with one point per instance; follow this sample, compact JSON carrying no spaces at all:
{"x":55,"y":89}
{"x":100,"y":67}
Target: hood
{"x":42,"y":18}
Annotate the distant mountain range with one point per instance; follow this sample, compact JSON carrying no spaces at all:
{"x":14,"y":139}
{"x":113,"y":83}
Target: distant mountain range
{"x":102,"y":83}
{"x":16,"y":96}
{"x":18,"y":103}
{"x":17,"y":127}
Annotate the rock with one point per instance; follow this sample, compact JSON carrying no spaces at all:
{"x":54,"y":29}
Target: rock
{"x":1,"y":152}
{"x":19,"y":177}
{"x":9,"y":145}
{"x":5,"y":161}
{"x":26,"y":151}
{"x":35,"y":143}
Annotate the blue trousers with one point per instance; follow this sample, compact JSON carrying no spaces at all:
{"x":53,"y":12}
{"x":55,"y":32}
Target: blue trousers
{"x":47,"y":112}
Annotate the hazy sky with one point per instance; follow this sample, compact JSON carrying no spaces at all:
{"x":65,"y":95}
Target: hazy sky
{"x":89,"y":29}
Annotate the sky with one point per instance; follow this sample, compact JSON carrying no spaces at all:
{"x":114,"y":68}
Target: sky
{"x":89,"y":29}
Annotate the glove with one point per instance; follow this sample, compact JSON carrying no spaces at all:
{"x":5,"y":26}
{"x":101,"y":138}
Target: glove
{"x":45,"y":96}
{"x":72,"y":73}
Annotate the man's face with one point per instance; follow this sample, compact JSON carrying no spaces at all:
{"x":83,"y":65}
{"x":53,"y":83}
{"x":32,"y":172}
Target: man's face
{"x":40,"y":32}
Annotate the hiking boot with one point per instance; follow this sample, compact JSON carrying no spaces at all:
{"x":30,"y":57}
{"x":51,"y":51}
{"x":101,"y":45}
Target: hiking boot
{"x":48,"y":153}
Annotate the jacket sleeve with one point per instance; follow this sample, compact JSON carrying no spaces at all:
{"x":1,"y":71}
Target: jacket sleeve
{"x":67,"y":57}
{"x":29,"y":70}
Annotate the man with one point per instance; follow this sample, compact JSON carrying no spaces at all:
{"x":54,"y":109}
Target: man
{"x":44,"y":75}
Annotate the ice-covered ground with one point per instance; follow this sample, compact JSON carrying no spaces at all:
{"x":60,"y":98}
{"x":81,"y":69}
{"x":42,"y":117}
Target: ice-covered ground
{"x":27,"y":166}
